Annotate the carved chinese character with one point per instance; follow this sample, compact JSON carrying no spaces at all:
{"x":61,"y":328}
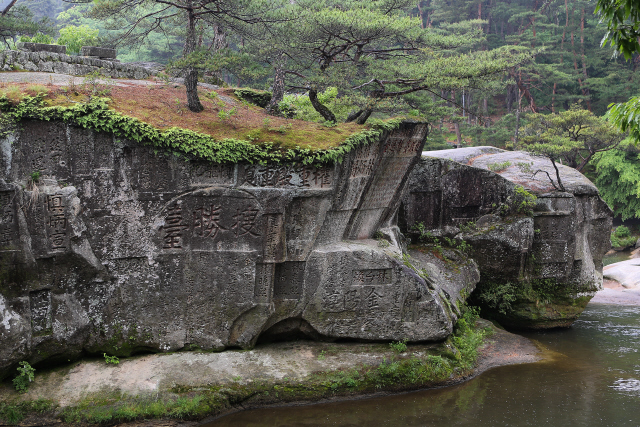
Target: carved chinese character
{"x":206,"y":222}
{"x":245,"y":222}
{"x":372,"y":300}
{"x":173,"y":227}
{"x":323,"y":177}
{"x":57,"y":240}
{"x":332,"y":300}
{"x":5,"y":237}
{"x":351,"y":300}
{"x":58,"y":223}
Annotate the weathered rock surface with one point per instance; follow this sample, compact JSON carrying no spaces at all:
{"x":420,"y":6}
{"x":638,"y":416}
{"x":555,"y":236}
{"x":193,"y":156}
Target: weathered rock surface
{"x":51,"y":62}
{"x":539,"y":264}
{"x":121,"y":250}
{"x":627,"y":273}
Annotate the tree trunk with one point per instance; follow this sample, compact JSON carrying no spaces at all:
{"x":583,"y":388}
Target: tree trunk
{"x":323,"y":110}
{"x":9,"y":6}
{"x":516,"y":133}
{"x":278,"y":86}
{"x":191,"y":75}
{"x":353,"y":115}
{"x":364,"y":116}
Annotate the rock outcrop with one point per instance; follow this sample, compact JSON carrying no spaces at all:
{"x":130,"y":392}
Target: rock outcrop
{"x":107,"y":246}
{"x":540,"y":257}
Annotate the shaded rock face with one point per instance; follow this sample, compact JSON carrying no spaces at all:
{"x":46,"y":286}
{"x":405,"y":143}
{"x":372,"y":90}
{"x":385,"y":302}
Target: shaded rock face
{"x":540,"y":262}
{"x":118,"y":249}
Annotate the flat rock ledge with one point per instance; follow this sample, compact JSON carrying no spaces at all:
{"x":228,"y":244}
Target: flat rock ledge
{"x":275,"y":366}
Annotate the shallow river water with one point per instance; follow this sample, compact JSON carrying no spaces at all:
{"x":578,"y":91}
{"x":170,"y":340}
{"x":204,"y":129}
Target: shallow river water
{"x":592,"y":378}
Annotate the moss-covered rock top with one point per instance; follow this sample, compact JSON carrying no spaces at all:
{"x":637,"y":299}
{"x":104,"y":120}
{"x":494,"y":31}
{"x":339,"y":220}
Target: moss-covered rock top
{"x":230,"y":129}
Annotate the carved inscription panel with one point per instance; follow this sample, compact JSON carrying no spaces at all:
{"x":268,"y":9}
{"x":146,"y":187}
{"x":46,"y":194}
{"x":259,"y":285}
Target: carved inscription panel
{"x":289,"y":280}
{"x":57,"y":224}
{"x":264,"y":283}
{"x":8,"y":220}
{"x":289,"y":176}
{"x":40,"y":303}
{"x":213,"y":221}
{"x":47,"y":150}
{"x":212,"y":174}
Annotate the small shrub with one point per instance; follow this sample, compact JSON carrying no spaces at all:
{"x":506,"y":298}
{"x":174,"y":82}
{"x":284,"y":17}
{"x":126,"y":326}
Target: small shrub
{"x":113,"y":360}
{"x":622,"y":231}
{"x":499,"y":167}
{"x":399,"y":346}
{"x":525,"y":167}
{"x":35,"y":176}
{"x":25,"y":377}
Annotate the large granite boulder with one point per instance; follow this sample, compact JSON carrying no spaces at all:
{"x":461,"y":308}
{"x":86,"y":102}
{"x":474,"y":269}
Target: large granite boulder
{"x":539,"y":250}
{"x":116,"y":248}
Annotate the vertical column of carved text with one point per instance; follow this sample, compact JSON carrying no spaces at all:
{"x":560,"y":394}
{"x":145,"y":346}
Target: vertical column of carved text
{"x":7,"y":219}
{"x":56,"y":222}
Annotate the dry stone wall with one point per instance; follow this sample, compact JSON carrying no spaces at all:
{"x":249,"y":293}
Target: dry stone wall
{"x":61,"y":63}
{"x":557,"y":247}
{"x":119,"y":249}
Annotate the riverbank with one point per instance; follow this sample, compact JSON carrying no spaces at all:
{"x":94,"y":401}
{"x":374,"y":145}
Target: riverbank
{"x":201,"y":385}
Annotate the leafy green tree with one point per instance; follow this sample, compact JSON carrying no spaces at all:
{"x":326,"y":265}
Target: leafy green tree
{"x":75,"y":37}
{"x":573,"y":136}
{"x":618,"y":179}
{"x":622,"y":18}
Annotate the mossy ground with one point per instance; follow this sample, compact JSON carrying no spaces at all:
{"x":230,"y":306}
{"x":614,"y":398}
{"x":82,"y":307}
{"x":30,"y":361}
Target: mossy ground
{"x":164,"y":106}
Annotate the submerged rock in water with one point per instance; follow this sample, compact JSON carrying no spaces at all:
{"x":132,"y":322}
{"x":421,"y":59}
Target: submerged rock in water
{"x":108,"y":246}
{"x":539,"y":250}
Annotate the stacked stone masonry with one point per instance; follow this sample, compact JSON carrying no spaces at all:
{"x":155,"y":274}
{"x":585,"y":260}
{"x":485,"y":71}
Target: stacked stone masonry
{"x":60,"y":63}
{"x":118,"y":249}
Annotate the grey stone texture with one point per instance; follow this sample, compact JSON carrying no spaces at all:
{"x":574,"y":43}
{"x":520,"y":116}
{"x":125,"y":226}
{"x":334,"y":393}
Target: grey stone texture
{"x":120,"y":249}
{"x":455,"y":194}
{"x":41,"y":47}
{"x":99,"y":52}
{"x":627,"y":273}
{"x":68,"y":64}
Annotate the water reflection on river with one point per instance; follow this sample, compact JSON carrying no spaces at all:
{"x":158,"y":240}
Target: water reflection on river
{"x":593,"y":380}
